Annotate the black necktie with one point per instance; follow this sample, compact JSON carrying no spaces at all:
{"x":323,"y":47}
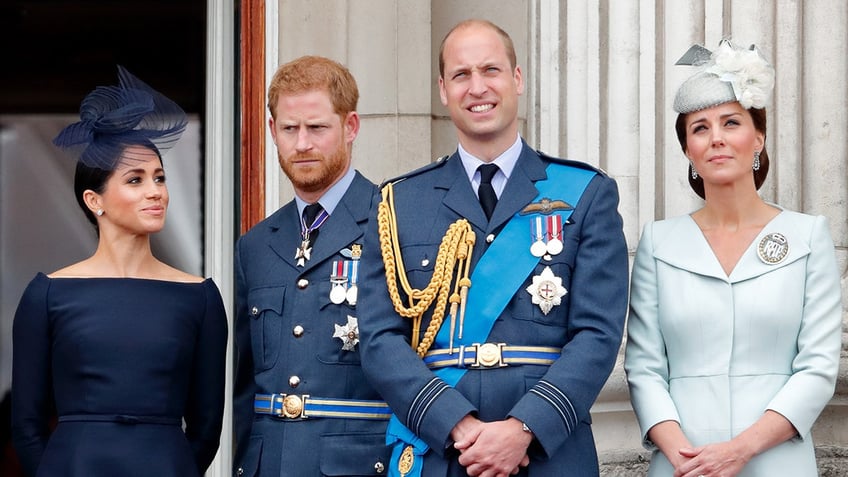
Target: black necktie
{"x":310,"y":212}
{"x":486,"y":193}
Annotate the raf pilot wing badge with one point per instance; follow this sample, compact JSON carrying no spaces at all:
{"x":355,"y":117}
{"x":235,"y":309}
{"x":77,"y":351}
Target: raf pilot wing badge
{"x":545,"y":206}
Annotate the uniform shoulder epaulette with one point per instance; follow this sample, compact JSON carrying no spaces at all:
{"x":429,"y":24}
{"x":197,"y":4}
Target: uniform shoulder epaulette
{"x":572,"y":163}
{"x":429,"y":167}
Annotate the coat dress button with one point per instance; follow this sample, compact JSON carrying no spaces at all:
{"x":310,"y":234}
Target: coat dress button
{"x":294,"y":381}
{"x":379,"y":467}
{"x":297,"y":331}
{"x":302,"y":283}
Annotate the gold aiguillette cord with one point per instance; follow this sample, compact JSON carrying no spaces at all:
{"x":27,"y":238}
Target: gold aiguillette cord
{"x":454,"y":255}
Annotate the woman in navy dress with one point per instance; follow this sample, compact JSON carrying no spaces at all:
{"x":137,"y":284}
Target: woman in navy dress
{"x":128,"y":351}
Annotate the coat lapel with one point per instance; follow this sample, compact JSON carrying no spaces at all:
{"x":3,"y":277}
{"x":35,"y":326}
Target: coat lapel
{"x":339,"y":231}
{"x":459,"y":196}
{"x":284,"y":236}
{"x":343,"y":226}
{"x":519,"y":190}
{"x":684,"y":246}
{"x":751,"y":266}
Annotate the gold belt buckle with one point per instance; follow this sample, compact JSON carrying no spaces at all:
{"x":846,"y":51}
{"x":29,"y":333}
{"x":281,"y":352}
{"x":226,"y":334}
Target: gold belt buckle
{"x":489,"y":355}
{"x":293,"y":406}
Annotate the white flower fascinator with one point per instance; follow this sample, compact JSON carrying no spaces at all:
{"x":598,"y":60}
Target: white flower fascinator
{"x":730,"y":73}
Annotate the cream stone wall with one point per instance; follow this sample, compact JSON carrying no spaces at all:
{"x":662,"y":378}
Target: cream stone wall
{"x":600,"y":80}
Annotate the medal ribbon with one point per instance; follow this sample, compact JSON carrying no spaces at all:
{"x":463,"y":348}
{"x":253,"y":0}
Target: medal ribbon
{"x":354,"y":271}
{"x":499,"y":273}
{"x":555,"y":227}
{"x":537,"y":228}
{"x":338,"y":271}
{"x":304,"y":230}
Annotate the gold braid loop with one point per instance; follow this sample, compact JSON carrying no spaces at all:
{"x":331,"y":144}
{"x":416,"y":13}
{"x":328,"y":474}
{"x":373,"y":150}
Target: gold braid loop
{"x":453,"y":251}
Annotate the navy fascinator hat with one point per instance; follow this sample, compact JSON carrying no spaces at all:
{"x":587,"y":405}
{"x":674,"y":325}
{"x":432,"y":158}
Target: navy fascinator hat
{"x":113,"y":118}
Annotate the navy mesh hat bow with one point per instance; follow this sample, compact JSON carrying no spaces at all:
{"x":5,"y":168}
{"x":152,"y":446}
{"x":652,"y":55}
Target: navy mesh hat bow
{"x":115,"y":117}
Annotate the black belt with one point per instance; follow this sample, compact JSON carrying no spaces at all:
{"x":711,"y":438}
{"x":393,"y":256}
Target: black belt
{"x":122,"y":419}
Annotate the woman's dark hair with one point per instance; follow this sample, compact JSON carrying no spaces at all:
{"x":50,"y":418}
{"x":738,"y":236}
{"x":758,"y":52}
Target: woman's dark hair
{"x":92,"y":178}
{"x":697,"y":184}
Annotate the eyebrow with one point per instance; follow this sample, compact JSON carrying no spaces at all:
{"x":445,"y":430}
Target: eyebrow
{"x":139,"y":170}
{"x":723,"y":116}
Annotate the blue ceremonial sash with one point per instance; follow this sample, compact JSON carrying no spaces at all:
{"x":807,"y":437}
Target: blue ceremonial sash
{"x":496,"y":277}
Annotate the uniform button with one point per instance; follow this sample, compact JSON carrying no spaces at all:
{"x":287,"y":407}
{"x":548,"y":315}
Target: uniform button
{"x":302,"y":283}
{"x":490,"y":238}
{"x":425,"y":262}
{"x":240,"y":471}
{"x":379,"y":467}
{"x":294,"y":381}
{"x":254,"y":311}
{"x":297,"y":331}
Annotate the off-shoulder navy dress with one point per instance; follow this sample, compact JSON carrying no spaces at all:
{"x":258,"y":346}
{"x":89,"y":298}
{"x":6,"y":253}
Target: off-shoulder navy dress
{"x":135,"y":369}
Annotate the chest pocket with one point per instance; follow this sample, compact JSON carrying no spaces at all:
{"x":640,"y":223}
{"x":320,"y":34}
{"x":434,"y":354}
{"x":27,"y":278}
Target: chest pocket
{"x":419,"y":261}
{"x":265,"y":306}
{"x":562,"y":266}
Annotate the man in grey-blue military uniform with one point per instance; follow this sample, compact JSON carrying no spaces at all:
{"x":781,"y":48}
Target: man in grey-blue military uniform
{"x":302,"y":404}
{"x":507,"y":288}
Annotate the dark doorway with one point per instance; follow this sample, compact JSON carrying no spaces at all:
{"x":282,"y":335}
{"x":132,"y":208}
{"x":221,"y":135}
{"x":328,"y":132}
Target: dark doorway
{"x":55,"y":51}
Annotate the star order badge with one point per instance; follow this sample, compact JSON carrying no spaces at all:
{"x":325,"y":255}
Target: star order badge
{"x":547,"y":290}
{"x":348,"y":333}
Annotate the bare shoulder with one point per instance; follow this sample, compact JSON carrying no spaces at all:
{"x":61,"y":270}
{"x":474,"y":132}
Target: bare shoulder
{"x":83,"y":269}
{"x":172,"y":274}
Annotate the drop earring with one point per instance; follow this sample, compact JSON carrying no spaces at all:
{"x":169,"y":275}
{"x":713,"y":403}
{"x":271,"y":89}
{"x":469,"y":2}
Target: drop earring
{"x":756,"y":165}
{"x":692,"y":168}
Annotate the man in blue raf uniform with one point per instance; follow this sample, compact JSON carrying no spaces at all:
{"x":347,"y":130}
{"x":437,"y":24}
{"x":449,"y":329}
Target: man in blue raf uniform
{"x":302,"y":404}
{"x":507,"y":288}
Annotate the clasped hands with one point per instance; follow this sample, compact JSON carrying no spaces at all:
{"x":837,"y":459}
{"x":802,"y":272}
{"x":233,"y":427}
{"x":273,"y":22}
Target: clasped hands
{"x":491,"y":449}
{"x":721,"y":459}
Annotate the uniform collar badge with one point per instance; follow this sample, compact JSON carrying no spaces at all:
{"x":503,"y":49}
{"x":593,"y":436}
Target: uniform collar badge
{"x":547,"y":290}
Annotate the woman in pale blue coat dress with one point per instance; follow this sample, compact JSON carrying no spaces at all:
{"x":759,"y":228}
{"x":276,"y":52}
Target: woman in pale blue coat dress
{"x":735,"y":310}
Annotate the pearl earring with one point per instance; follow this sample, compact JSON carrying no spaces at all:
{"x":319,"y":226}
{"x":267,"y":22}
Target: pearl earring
{"x":99,"y":212}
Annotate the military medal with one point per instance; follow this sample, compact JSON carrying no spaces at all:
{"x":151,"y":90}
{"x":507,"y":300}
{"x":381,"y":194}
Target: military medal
{"x":406,"y":461}
{"x":352,"y":290}
{"x":348,"y":333}
{"x":773,"y":248}
{"x":537,"y":230}
{"x":554,"y":245}
{"x":547,"y":290}
{"x":304,"y":251}
{"x":339,"y":280}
